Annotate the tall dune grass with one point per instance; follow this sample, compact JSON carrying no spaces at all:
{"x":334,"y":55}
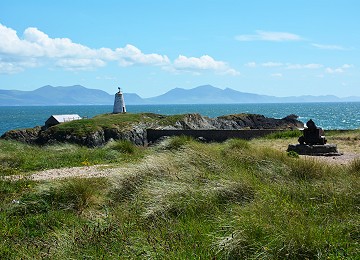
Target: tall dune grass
{"x":191,"y":200}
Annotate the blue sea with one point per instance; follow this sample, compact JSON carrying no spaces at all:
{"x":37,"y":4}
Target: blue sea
{"x":325,"y":115}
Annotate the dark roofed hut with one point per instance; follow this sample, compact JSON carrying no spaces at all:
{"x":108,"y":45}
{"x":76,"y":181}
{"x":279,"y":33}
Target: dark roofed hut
{"x":57,"y":119}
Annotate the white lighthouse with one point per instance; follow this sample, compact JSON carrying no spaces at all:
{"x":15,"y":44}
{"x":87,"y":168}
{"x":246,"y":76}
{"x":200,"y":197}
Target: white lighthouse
{"x":119,"y":103}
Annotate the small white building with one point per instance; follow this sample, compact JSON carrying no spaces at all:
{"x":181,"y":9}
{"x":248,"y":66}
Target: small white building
{"x":119,"y":103}
{"x":57,"y":119}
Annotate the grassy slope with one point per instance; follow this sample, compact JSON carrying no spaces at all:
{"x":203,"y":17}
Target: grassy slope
{"x":118,"y":121}
{"x":186,"y":200}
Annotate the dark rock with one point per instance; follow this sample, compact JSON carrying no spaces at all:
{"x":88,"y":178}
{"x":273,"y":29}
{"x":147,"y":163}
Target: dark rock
{"x":28,"y":135}
{"x":312,"y":135}
{"x":317,"y":150}
{"x":254,"y":121}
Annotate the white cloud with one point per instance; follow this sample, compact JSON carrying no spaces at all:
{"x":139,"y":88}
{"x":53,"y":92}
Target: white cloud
{"x":205,"y":62}
{"x":251,"y":64}
{"x":231,"y":72}
{"x":272,"y":64}
{"x":328,"y":47}
{"x":106,"y":78}
{"x":304,"y":66}
{"x":62,"y":52}
{"x":334,"y":70}
{"x":269,"y":36}
{"x":130,"y":55}
{"x":80,"y":64}
{"x":36,"y":48}
{"x":9,"y":68}
{"x":347,"y":66}
{"x":338,"y":70}
{"x":276,"y":75}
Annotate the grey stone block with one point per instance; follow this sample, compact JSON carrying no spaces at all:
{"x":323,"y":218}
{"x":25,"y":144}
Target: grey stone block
{"x":317,"y":150}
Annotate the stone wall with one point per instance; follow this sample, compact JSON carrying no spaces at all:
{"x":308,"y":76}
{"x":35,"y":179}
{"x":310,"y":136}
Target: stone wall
{"x":211,"y":134}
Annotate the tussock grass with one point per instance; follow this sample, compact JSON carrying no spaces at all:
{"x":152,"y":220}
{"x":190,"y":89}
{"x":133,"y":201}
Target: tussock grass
{"x":177,"y":142}
{"x":235,"y":200}
{"x":16,"y":158}
{"x":73,"y":194}
{"x":354,"y":166}
{"x":124,"y":146}
{"x":238,"y":144}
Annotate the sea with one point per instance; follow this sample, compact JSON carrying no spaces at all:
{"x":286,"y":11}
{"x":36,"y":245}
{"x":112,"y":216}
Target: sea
{"x":326,"y":115}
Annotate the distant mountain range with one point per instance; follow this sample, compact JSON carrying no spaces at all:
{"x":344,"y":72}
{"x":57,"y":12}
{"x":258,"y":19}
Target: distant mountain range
{"x":207,"y":94}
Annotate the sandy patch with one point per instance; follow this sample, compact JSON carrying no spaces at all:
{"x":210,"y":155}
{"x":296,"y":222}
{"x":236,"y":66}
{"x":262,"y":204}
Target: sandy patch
{"x":70,"y":172}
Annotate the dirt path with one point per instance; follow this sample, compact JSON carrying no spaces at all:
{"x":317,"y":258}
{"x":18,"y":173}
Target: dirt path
{"x":343,"y":159}
{"x":79,"y":172}
{"x":108,"y":170}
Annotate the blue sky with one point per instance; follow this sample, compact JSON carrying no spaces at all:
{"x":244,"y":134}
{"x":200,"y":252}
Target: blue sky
{"x":279,"y":47}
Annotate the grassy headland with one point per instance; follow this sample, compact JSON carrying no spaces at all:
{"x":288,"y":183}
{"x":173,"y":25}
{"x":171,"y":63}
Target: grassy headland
{"x":181,"y":199}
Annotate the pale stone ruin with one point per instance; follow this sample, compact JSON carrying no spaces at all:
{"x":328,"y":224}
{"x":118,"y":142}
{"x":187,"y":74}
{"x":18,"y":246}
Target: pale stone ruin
{"x":313,"y":142}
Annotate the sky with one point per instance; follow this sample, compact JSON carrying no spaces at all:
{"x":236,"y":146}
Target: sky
{"x":270,"y":47}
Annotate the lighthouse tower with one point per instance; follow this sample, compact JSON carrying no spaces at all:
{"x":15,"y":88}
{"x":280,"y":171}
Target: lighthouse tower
{"x":119,"y":103}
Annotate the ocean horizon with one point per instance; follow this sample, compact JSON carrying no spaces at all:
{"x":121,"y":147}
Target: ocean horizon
{"x":341,"y":115}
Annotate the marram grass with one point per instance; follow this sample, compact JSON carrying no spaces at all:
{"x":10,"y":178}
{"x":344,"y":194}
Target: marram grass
{"x":186,"y":200}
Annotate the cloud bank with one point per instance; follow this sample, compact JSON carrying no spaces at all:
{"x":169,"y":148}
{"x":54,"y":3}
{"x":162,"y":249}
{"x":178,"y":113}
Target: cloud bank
{"x":37,"y":49}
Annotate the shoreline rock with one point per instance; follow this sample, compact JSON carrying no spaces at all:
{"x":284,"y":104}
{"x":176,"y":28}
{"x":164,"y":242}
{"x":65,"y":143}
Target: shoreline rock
{"x":135,"y":132}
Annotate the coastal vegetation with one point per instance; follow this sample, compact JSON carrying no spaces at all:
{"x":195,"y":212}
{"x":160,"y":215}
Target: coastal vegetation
{"x":181,"y":199}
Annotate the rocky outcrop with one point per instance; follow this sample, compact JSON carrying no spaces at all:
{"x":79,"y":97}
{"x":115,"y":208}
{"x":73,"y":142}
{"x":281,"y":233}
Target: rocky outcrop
{"x":28,"y":135}
{"x":190,"y":121}
{"x":136,"y":135}
{"x":254,"y":121}
{"x":136,"y":131}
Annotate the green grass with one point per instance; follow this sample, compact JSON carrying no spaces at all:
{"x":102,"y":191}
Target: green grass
{"x":185,"y":200}
{"x":285,"y":134}
{"x":121,"y":122}
{"x":16,"y":158}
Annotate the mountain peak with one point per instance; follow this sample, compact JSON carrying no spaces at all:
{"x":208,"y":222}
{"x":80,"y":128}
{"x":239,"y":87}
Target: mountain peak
{"x":205,"y":94}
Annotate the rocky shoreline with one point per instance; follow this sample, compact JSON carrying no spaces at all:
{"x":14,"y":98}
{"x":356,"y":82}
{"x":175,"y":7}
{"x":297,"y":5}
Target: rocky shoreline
{"x":135,"y":131}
